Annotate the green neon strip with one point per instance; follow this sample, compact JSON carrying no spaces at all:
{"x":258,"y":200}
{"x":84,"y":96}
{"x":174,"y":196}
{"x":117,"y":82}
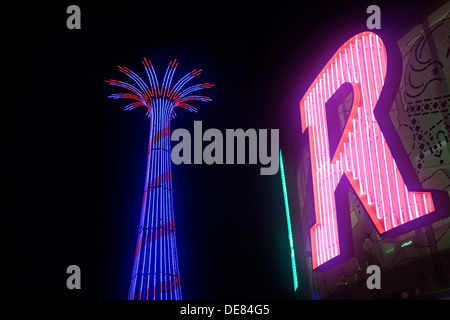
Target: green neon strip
{"x":390,"y":250}
{"x":406,"y":243}
{"x":288,"y":218}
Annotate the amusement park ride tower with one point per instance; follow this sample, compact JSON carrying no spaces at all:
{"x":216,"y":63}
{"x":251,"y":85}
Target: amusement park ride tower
{"x":155,"y":274}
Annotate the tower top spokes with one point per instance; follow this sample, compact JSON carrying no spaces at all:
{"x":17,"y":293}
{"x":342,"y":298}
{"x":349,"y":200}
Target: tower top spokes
{"x":152,"y":94}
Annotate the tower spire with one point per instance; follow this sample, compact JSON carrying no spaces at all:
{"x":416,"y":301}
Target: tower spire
{"x":155,"y":274}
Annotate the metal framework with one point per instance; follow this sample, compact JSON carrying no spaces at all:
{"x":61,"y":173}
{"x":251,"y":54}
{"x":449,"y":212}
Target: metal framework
{"x":156,"y":274}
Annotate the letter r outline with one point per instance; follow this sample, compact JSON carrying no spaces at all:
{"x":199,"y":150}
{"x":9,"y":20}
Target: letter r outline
{"x":362,"y":154}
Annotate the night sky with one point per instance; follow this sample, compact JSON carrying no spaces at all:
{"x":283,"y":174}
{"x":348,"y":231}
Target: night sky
{"x":75,"y":161}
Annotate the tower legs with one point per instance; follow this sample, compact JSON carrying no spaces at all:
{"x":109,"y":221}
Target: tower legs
{"x":155,"y":274}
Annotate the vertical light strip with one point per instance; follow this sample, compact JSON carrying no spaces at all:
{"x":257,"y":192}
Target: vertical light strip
{"x":160,"y":201}
{"x":288,"y":219}
{"x":150,"y":209}
{"x":155,"y":255}
{"x":163,"y":192}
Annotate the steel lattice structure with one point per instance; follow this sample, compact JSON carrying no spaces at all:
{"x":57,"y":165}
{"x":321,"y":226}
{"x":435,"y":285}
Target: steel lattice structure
{"x":155,"y":272}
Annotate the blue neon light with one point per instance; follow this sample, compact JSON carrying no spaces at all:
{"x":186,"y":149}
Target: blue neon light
{"x":156,"y":272}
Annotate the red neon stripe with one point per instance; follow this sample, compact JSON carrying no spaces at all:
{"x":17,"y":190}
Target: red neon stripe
{"x":162,"y":178}
{"x":317,"y":176}
{"x":161,"y":134}
{"x":145,"y":195}
{"x":138,"y":248}
{"x":320,"y":173}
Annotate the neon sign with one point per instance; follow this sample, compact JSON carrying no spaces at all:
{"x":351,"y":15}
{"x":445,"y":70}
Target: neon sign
{"x":360,"y":152}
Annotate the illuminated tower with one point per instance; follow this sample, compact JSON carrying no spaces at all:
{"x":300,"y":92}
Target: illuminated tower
{"x":155,"y":272}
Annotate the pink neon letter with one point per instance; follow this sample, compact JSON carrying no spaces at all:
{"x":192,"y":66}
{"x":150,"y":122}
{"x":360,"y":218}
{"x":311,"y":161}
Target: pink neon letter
{"x":362,"y":153}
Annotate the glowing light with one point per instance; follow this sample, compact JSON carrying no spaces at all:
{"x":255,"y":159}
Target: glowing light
{"x":369,"y":164}
{"x":288,"y":219}
{"x":390,"y":250}
{"x":407,"y":243}
{"x":155,"y":272}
